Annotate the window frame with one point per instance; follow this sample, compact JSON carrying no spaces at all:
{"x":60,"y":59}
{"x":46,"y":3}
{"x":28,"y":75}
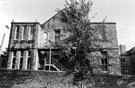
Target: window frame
{"x":57,"y":35}
{"x":126,"y":71}
{"x":104,"y":60}
{"x":29,"y":60}
{"x":21,"y":60}
{"x":30,"y":33}
{"x":14,"y":59}
{"x":17,"y":28}
{"x":123,"y":59}
{"x":46,"y":38}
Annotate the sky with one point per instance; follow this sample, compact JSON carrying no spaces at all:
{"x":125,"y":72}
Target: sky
{"x":120,"y":11}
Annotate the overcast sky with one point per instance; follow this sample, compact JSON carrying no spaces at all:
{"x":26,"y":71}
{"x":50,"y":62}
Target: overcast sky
{"x":120,"y":11}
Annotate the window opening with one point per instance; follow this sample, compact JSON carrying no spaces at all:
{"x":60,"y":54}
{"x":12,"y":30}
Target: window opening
{"x":104,"y":61}
{"x":14,"y":59}
{"x":3,"y":63}
{"x":123,"y":59}
{"x":24,"y":32}
{"x":17,"y":32}
{"x":126,"y":71}
{"x":21,"y":60}
{"x":29,"y":60}
{"x":57,"y":35}
{"x":46,"y":37}
{"x":30,"y":33}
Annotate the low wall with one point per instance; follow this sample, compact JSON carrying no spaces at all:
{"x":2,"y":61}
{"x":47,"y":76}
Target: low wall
{"x":33,"y":79}
{"x":44,"y":79}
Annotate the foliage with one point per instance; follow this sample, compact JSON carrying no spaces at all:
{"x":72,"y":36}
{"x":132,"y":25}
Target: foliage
{"x":76,"y":20}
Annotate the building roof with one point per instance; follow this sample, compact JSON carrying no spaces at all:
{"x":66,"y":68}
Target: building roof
{"x":131,"y":51}
{"x":25,"y":23}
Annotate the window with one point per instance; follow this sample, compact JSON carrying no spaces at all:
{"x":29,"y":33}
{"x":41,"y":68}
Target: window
{"x":30,"y":33}
{"x":104,"y":64}
{"x":13,"y":64}
{"x":14,"y":59}
{"x":21,"y":63}
{"x":57,"y":35}
{"x":3,"y":63}
{"x":24,"y":33}
{"x":29,"y":60}
{"x":104,"y":61}
{"x":126,"y":71}
{"x":22,"y":30}
{"x":21,"y":60}
{"x":46,"y":37}
{"x":16,"y":32}
{"x":123,"y":59}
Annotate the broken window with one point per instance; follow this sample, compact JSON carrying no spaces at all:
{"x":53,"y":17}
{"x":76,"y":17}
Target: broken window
{"x":16,"y":32}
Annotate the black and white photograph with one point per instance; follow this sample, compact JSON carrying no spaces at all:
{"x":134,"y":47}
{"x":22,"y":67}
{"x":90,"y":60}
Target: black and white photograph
{"x":67,"y":44}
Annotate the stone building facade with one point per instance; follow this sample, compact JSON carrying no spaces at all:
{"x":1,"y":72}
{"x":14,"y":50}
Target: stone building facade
{"x":22,"y":45}
{"x":31,"y":46}
{"x":127,"y":61}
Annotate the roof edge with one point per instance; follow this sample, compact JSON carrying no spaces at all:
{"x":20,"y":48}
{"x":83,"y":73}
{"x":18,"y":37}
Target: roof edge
{"x":25,"y":22}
